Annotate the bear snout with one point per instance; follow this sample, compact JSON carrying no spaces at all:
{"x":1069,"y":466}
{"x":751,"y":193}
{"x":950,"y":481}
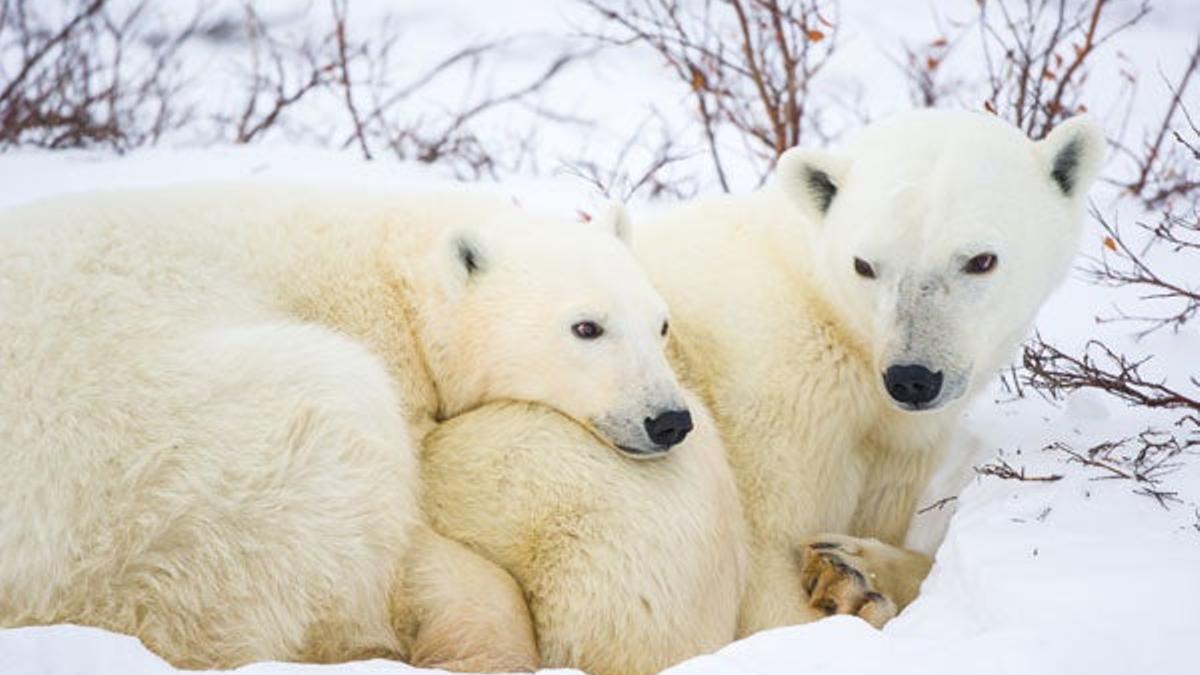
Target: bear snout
{"x":915,"y":386}
{"x":669,"y":428}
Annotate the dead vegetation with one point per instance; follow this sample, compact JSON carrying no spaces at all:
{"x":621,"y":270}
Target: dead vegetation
{"x":1000,"y":468}
{"x":102,"y":76}
{"x":1152,"y":265}
{"x":1038,"y":53}
{"x":379,"y":98}
{"x":1145,"y":459}
{"x":96,"y":76}
{"x":749,"y":66}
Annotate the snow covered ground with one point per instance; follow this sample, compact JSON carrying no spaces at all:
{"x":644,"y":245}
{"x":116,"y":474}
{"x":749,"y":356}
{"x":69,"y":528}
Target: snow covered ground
{"x":1078,"y":575}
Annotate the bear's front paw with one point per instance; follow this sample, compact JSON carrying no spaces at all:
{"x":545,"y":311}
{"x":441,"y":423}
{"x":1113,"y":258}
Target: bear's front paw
{"x":839,"y":580}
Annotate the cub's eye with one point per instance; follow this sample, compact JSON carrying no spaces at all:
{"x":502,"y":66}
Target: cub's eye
{"x":863,"y":268}
{"x":587,"y":330}
{"x":665,"y":327}
{"x":980,"y":264}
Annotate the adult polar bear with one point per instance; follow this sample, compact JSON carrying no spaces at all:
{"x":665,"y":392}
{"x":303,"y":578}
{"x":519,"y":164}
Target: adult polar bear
{"x":836,"y":321}
{"x":210,"y":398}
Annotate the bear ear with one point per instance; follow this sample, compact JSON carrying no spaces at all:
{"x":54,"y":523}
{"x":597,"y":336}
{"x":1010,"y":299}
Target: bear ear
{"x":468,"y":252}
{"x":811,"y":178}
{"x":1072,"y":153}
{"x":614,"y":217}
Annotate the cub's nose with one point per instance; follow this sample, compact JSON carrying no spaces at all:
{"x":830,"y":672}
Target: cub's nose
{"x":912,"y":385}
{"x":669,"y":428}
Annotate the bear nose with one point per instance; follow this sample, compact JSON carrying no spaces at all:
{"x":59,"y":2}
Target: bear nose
{"x":669,"y":428}
{"x":914,"y":385}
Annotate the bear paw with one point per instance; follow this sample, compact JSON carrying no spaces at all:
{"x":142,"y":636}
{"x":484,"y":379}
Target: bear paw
{"x":839,"y":580}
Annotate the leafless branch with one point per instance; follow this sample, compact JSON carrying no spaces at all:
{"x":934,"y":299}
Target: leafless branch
{"x":617,"y":181}
{"x":749,"y":65}
{"x":999,"y":468}
{"x":1144,"y":459}
{"x":101,"y":76}
{"x":1037,"y":55}
{"x":1052,"y":371}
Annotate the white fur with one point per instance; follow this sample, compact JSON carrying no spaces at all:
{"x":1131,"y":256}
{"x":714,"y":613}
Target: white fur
{"x":209,"y":399}
{"x":787,"y":345}
{"x":628,"y":566}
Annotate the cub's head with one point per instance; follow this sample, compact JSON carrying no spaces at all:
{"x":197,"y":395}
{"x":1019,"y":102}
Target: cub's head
{"x":559,"y":313}
{"x":937,"y":235}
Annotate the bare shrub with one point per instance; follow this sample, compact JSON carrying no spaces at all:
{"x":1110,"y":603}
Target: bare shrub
{"x":1156,"y":264}
{"x":1168,"y":163}
{"x":380,"y":97}
{"x":1037,"y":55}
{"x":98,"y":76}
{"x":1167,"y":296}
{"x":639,"y":167}
{"x":1144,"y":459}
{"x":923,"y":70}
{"x":280,"y":75}
{"x":449,"y":137}
{"x":1000,"y":468}
{"x":1055,"y":372}
{"x":758,"y":84}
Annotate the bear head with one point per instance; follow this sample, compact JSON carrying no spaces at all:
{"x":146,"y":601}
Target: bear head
{"x":558,"y":313}
{"x":935,"y":236}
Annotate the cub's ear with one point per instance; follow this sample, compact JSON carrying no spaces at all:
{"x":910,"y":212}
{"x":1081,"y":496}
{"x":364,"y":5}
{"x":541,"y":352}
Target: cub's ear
{"x":1072,"y":154}
{"x":613,"y":217}
{"x":811,"y":179}
{"x":468,"y":252}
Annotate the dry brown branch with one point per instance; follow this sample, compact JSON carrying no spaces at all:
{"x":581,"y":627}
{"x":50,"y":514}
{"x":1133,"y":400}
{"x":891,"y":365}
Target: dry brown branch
{"x":1121,"y":264}
{"x":338,"y":9}
{"x":1151,"y":157}
{"x":382,"y":101}
{"x":100,"y":76}
{"x":280,"y":77}
{"x":922,"y":68}
{"x":749,"y":65}
{"x":35,"y":53}
{"x":616,"y":180}
{"x":1144,"y":459}
{"x":1054,"y":372}
{"x":448,"y":138}
{"x":938,"y":505}
{"x":999,"y":468}
{"x":1037,"y":55}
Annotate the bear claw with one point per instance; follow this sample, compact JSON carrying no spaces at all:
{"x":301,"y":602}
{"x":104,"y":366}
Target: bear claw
{"x":835,"y":583}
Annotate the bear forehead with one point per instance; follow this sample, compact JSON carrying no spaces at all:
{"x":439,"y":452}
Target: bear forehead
{"x":575,"y":268}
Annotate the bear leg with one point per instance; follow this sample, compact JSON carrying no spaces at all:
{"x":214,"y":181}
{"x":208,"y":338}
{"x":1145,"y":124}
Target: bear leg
{"x":865,"y":577}
{"x":461,"y":612}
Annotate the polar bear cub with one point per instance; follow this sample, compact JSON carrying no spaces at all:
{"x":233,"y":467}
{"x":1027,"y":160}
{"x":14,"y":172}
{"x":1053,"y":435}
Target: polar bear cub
{"x":211,"y":399}
{"x":837,"y":320}
{"x":628,"y":565}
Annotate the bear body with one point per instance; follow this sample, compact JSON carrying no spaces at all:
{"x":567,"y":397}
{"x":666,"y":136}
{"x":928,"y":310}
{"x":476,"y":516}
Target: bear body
{"x":628,"y":566}
{"x":211,"y":400}
{"x":836,"y":321}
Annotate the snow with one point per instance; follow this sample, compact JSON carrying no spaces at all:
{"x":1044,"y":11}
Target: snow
{"x":1078,"y":575}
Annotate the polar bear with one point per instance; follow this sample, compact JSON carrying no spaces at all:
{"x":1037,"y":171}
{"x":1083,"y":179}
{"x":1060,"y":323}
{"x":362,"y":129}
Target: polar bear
{"x":837,"y":320}
{"x":211,"y":399}
{"x":629,"y":565}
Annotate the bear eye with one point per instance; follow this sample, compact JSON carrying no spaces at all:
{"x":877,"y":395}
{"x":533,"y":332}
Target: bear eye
{"x":587,"y":330}
{"x":666,"y":325}
{"x":863,"y":268}
{"x":980,"y":264}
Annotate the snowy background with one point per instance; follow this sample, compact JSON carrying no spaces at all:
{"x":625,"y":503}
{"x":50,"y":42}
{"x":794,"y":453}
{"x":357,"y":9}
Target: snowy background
{"x":1088,"y":573}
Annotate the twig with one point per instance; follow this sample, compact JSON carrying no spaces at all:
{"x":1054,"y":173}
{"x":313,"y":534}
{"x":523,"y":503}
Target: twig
{"x":1003,"y":470}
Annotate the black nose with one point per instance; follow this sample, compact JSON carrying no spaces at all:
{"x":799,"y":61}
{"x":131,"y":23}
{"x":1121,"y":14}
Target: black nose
{"x":914,"y":385}
{"x":669,"y":428}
